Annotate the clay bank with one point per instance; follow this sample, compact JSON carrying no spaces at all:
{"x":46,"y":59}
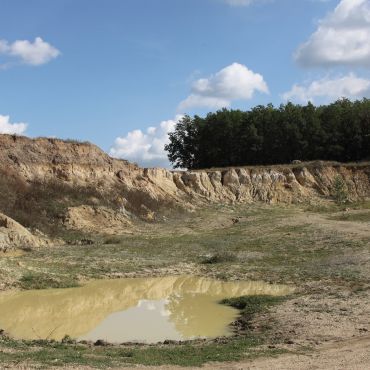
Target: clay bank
{"x":145,"y":310}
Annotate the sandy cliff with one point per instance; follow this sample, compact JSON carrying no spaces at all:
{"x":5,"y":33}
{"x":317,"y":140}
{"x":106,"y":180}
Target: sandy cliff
{"x":145,"y":192}
{"x":83,"y":163}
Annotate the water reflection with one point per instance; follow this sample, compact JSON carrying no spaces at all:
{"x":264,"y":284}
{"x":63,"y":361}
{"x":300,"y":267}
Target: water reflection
{"x":151,"y":310}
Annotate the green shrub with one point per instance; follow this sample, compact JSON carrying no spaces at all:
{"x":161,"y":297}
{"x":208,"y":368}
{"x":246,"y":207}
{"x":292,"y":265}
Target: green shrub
{"x":340,"y":190}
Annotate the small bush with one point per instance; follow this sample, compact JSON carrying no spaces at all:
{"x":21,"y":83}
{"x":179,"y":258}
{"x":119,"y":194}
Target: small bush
{"x":219,"y":258}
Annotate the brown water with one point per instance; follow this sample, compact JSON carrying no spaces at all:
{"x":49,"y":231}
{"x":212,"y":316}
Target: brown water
{"x":146,"y":309}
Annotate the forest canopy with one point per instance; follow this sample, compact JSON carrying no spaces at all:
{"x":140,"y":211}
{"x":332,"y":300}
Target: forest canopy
{"x":273,"y":135}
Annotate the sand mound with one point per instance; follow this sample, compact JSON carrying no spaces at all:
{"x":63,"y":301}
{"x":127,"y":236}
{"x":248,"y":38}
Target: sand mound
{"x":13,"y":235}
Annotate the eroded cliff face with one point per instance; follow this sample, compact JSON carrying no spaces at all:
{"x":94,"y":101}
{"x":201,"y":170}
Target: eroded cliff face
{"x":147,"y":192}
{"x":46,"y":159}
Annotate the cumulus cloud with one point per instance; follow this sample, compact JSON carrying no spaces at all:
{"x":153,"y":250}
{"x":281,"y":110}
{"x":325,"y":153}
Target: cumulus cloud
{"x":235,"y":82}
{"x":33,"y":53}
{"x":11,"y":128}
{"x":329,"y":89}
{"x":342,"y":37}
{"x":145,"y":148}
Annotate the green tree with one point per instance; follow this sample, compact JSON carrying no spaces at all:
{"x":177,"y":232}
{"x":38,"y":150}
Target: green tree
{"x":182,"y":149}
{"x":267,"y":135}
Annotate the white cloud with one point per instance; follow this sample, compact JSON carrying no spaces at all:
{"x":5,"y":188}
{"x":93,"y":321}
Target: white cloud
{"x":330,"y":89}
{"x":235,"y":82}
{"x":11,"y":128}
{"x":33,"y":53}
{"x":145,"y":148}
{"x":342,"y":37}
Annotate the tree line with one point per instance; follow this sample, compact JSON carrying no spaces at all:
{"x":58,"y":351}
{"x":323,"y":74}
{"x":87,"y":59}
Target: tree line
{"x":273,"y":135}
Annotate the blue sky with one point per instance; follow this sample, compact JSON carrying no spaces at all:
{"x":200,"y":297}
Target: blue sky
{"x":107,"y":70}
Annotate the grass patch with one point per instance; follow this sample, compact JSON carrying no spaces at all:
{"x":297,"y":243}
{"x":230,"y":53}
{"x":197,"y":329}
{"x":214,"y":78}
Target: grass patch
{"x":249,"y":307}
{"x":31,"y":281}
{"x":49,"y":353}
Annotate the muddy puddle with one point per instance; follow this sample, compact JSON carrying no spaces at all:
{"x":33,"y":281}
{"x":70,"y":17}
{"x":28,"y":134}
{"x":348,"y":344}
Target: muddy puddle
{"x":145,"y":309}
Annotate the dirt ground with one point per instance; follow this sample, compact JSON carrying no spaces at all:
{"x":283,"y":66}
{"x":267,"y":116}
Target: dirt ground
{"x":325,"y":254}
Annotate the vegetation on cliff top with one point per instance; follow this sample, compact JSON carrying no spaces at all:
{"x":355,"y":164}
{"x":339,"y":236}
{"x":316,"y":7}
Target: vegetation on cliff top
{"x":268,"y":135}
